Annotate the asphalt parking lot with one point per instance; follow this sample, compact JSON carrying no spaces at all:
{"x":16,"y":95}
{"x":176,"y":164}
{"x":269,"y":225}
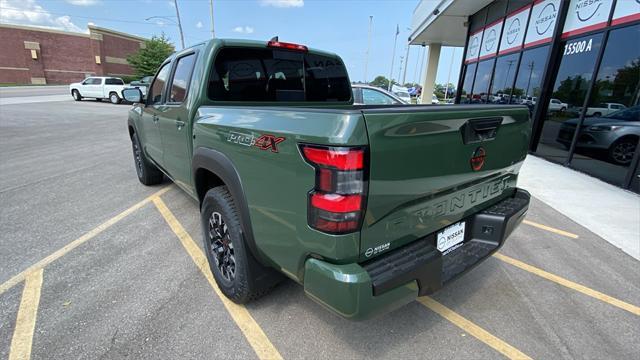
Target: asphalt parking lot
{"x":95,"y":265}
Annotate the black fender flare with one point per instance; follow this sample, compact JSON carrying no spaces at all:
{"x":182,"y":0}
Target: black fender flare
{"x":131,"y":124}
{"x":221,"y":166}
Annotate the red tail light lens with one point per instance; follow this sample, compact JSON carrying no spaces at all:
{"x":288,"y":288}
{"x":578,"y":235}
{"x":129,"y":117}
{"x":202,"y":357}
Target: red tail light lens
{"x":286,"y":45}
{"x":336,"y":204}
{"x":337,"y":158}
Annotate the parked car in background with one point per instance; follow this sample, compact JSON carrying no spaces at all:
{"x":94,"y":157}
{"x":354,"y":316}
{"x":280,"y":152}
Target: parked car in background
{"x":371,"y":95}
{"x":557,"y":105}
{"x":99,"y":88}
{"x":604,"y":109}
{"x":434,"y":99}
{"x":142,"y":84}
{"x":616,"y":133}
{"x":402,"y":93}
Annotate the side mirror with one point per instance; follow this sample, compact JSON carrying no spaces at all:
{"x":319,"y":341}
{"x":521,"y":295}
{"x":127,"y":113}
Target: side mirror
{"x":133,"y":95}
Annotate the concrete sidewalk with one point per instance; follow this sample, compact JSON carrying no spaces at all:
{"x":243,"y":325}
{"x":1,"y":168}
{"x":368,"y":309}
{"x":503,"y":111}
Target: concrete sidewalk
{"x":610,"y":212}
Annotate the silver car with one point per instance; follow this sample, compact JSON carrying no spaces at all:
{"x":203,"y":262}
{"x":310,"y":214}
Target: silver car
{"x":617,"y":133}
{"x":371,"y":95}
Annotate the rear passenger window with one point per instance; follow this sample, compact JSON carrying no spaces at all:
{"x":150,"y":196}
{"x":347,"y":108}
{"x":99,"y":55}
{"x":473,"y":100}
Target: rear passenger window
{"x":155,"y":93}
{"x":114,"y":82}
{"x":241,"y":74}
{"x":181,"y":78}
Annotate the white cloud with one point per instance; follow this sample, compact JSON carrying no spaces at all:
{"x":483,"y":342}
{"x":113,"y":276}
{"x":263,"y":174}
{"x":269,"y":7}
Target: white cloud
{"x":82,"y":2}
{"x":282,"y":3}
{"x":199,"y":24}
{"x":243,"y":29}
{"x":28,"y":12}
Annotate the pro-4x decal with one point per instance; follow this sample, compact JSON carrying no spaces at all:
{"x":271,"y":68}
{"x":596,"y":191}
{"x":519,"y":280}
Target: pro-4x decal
{"x":264,"y":142}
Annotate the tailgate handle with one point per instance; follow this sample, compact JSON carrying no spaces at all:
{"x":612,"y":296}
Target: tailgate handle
{"x":478,"y":130}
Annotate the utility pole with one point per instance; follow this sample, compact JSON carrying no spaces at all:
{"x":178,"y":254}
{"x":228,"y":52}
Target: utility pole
{"x":366,"y":58}
{"x":175,"y":4}
{"x":406,"y":64}
{"x":400,"y":69}
{"x":213,"y":33}
{"x":393,"y":56}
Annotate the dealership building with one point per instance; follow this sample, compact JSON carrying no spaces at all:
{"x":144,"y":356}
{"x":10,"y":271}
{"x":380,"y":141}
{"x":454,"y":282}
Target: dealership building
{"x":36,"y":55}
{"x":575,"y":63}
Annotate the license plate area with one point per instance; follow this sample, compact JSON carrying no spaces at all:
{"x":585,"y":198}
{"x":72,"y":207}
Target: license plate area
{"x":451,"y":237}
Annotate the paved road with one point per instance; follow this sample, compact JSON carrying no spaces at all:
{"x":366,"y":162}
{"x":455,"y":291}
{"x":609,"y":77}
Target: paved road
{"x":127,"y":285}
{"x":33,"y":91}
{"x":33,"y":94}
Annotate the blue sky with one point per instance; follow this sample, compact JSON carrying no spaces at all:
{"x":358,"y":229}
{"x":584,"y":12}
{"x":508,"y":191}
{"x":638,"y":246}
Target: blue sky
{"x":338,"y":26}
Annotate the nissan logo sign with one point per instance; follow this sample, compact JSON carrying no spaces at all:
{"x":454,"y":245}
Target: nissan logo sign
{"x":513,"y":30}
{"x":473,"y":48}
{"x":491,"y":40}
{"x":587,"y":9}
{"x":546,"y":18}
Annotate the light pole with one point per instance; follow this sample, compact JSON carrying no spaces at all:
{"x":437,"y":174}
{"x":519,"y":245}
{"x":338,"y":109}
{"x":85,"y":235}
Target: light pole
{"x":213,"y":33}
{"x":175,"y":3}
{"x":393,"y":56}
{"x":446,"y":88}
{"x":170,"y":20}
{"x":366,"y":58}
{"x":406,"y":62}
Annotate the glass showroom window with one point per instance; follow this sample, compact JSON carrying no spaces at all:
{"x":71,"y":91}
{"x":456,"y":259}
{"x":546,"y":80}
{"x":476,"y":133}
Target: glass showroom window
{"x":529,"y":80}
{"x":609,"y":134}
{"x":572,"y":82}
{"x":480,"y":93}
{"x":467,"y":84}
{"x":503,"y":79}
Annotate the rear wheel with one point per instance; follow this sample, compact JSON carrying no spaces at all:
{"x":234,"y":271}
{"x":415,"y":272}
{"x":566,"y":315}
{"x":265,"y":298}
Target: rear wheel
{"x":597,"y":114}
{"x":114,"y":98}
{"x":148,"y":174}
{"x":622,"y":151}
{"x":238,"y":274}
{"x":76,"y":95}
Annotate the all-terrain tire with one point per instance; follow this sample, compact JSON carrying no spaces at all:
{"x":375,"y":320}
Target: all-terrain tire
{"x":241,"y":277}
{"x":148,"y":173}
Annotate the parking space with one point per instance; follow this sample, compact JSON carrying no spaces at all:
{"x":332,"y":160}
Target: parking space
{"x":123,"y":273}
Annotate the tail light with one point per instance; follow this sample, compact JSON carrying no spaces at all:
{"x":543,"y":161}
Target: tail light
{"x":337,"y":202}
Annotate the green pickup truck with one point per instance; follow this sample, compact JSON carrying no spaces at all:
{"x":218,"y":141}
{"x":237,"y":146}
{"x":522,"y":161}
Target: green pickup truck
{"x":366,"y":206}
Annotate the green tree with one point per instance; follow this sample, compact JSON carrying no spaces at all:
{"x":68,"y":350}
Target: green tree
{"x":380,"y":81}
{"x":149,"y":58}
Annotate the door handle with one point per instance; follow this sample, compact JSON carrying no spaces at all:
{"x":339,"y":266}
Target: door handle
{"x":180,"y":124}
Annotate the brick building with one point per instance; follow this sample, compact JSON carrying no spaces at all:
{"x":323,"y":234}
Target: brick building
{"x":33,"y":55}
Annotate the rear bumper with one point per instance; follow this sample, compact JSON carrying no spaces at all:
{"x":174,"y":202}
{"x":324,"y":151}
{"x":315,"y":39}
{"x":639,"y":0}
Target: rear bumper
{"x":360,"y":291}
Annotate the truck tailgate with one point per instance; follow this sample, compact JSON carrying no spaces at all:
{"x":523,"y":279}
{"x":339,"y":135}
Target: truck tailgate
{"x":422,"y":176}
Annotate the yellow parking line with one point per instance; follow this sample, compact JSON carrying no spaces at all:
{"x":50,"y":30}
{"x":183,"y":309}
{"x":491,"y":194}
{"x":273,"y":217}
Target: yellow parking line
{"x":549,"y":228}
{"x":249,"y":327}
{"x":473,"y":329}
{"x":26,"y":320}
{"x":570,"y":284}
{"x":77,"y":242}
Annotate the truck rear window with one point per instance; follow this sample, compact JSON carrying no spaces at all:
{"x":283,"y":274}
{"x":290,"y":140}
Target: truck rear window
{"x":241,"y":74}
